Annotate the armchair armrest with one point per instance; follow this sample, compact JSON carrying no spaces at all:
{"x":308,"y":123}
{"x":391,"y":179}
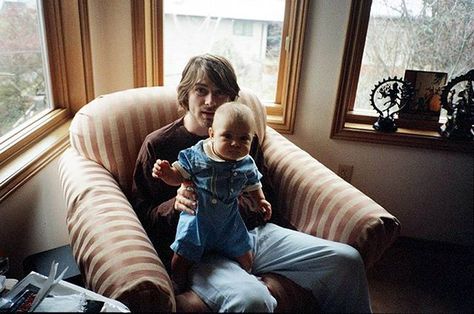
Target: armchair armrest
{"x":317,"y":201}
{"x":113,"y":251}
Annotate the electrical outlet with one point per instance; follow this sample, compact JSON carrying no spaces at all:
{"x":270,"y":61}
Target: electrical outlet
{"x":345,"y":172}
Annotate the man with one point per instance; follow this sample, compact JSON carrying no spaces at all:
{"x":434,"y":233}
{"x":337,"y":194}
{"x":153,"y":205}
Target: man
{"x":333,"y":272}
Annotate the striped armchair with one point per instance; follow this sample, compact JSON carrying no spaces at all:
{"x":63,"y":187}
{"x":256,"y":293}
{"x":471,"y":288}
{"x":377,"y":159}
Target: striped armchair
{"x":112,"y":249}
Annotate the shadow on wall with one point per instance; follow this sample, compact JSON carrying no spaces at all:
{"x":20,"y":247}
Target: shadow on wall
{"x":33,"y":219}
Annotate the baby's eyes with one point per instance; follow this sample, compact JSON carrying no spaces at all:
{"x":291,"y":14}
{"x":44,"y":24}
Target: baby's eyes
{"x":243,"y":139}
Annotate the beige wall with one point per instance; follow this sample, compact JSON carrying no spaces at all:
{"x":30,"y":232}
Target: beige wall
{"x":33,"y":218}
{"x":430,"y":191}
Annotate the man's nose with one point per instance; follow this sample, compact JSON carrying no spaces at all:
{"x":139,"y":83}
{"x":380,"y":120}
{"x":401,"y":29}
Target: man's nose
{"x":210,"y":99}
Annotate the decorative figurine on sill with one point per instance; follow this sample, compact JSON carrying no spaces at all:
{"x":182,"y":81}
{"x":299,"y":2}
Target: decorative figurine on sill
{"x":389,"y":97}
{"x":459,"y":107}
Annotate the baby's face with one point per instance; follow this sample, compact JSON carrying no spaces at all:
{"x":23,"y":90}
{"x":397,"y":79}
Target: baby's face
{"x":232,"y":140}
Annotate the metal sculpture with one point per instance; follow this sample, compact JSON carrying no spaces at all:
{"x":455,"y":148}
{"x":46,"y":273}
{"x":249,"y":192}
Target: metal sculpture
{"x":389,"y":97}
{"x":457,"y":97}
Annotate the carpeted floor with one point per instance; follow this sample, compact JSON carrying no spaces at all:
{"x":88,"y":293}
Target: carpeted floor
{"x":417,"y":276}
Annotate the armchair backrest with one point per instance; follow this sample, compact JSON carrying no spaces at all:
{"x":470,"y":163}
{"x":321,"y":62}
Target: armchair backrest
{"x":110,"y":129}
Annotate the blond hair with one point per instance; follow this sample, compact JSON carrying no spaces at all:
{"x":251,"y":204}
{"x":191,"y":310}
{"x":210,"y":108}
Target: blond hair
{"x":236,"y":112}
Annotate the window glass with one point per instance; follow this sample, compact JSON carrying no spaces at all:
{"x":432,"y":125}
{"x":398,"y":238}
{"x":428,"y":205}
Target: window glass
{"x":23,"y":88}
{"x":243,"y":28}
{"x":247,"y":32}
{"x":418,"y":35}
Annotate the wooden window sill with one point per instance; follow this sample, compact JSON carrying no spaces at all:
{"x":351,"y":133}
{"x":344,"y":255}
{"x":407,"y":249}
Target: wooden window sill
{"x":278,"y":123}
{"x":17,"y":169}
{"x":403,"y":137}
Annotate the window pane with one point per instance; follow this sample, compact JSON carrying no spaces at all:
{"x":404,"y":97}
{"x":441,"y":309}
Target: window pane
{"x":247,"y":32}
{"x":417,"y":35}
{"x":23,"y":88}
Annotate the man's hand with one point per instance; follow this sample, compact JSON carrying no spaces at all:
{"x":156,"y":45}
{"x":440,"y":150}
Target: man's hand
{"x":186,"y":198}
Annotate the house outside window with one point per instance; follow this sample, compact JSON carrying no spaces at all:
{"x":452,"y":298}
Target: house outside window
{"x":242,"y":28}
{"x":226,"y":28}
{"x":263,"y":40}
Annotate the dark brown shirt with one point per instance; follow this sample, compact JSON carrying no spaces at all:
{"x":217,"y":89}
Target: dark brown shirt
{"x":153,"y":199}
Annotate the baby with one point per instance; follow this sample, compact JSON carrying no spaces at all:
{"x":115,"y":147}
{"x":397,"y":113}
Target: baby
{"x":221,"y":169}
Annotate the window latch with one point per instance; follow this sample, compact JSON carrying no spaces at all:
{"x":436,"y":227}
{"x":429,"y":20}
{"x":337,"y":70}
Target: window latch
{"x":287,"y":43}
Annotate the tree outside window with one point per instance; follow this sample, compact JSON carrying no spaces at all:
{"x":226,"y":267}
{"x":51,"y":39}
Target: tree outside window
{"x":22,"y":80}
{"x":422,"y":35}
{"x":384,"y":39}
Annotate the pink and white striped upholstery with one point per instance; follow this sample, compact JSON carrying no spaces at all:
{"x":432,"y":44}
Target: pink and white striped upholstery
{"x":318,"y":202}
{"x":111,"y":128}
{"x":114,"y":253}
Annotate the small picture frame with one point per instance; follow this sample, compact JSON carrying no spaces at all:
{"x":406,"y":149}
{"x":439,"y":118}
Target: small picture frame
{"x":426,"y":102}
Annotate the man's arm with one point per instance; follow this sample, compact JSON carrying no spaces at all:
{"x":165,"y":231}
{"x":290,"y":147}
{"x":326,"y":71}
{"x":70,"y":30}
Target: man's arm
{"x":148,"y":192}
{"x":151,"y":198}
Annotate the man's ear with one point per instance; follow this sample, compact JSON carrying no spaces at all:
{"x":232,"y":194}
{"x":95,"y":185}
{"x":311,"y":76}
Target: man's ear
{"x":211,"y":132}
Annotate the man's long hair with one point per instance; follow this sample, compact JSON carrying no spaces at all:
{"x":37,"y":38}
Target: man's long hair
{"x":215,"y":68}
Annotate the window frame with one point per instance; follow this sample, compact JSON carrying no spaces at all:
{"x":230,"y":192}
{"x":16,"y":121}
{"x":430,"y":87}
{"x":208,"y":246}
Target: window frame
{"x":28,"y":149}
{"x":347,"y":125}
{"x":147,"y":37}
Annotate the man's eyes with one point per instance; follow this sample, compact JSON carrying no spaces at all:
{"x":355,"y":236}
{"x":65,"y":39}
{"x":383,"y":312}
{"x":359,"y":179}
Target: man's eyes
{"x":201,"y":91}
{"x":220,"y":93}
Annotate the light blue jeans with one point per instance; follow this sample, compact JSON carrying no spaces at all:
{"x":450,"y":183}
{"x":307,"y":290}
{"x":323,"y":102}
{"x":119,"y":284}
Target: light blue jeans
{"x":333,"y":271}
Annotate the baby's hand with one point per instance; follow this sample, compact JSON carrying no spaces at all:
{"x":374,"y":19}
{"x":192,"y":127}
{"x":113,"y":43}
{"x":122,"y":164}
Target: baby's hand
{"x":266,"y":209}
{"x":160,"y":167}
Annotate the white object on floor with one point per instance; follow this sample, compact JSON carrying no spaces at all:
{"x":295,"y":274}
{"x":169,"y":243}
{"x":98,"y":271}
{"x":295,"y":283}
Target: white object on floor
{"x":49,"y":284}
{"x":64,"y":288}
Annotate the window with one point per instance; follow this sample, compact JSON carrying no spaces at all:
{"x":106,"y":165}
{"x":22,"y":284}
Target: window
{"x":384,"y":39}
{"x":243,"y":28}
{"x":35,"y":109}
{"x":263,"y":40}
{"x":24,"y":84}
{"x":226,"y":28}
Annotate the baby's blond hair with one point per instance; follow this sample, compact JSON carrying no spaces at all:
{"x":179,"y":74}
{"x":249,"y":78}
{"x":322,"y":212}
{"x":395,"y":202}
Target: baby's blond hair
{"x":236,"y":112}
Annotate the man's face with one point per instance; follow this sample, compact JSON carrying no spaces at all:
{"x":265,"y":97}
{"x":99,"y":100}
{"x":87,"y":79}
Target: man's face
{"x":204,"y":99}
